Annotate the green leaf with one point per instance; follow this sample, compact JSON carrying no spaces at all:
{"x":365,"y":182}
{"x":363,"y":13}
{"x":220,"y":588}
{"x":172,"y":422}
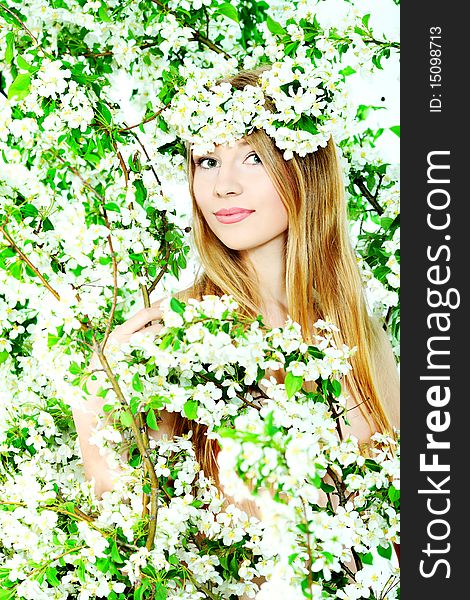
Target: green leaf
{"x":367,"y":558}
{"x":134,"y":404}
{"x":166,"y":341}
{"x":293,"y":384}
{"x":112,"y":206}
{"x":51,"y":576}
{"x":75,"y":368}
{"x":103,"y":14}
{"x":91,"y":157}
{"x":385,"y":552}
{"x":347,"y":71}
{"x":10,"y":40}
{"x":229,"y":11}
{"x":152,"y":419}
{"x":181,"y":260}
{"x":126,"y":418}
{"x":303,"y":527}
{"x":52,"y":340}
{"x":395,"y":129}
{"x":160,"y":592}
{"x":393,"y":494}
{"x":19,"y":89}
{"x":16,"y":269}
{"x":316,"y":480}
{"x":81,"y":570}
{"x":328,"y":489}
{"x":365,"y":20}
{"x":3,"y":356}
{"x":115,"y":555}
{"x":335,"y":384}
{"x":139,"y":592}
{"x":22,"y":64}
{"x":137,"y":383}
{"x":177,"y":306}
{"x":234,"y":566}
{"x":269,"y":428}
{"x":190,"y":409}
{"x":104,"y":114}
{"x":274,"y":26}
{"x":308,"y":124}
{"x":140,"y":192}
{"x":29,"y":210}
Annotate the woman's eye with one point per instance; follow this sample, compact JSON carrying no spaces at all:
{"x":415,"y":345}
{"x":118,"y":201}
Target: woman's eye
{"x":253,"y":159}
{"x":206,"y":162}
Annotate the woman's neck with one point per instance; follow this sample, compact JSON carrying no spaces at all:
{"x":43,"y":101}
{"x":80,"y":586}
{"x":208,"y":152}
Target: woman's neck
{"x":268,"y":262}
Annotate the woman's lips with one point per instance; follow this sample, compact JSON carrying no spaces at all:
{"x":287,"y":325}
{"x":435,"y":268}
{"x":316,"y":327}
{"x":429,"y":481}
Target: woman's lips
{"x":233,"y":215}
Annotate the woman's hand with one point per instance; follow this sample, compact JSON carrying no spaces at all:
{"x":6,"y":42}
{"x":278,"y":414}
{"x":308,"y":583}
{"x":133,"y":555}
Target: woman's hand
{"x":146,"y":319}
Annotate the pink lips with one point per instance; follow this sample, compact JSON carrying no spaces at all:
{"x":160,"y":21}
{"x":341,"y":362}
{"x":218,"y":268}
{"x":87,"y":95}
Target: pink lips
{"x":232,"y":215}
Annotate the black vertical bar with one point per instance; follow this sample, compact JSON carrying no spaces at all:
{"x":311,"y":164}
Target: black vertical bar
{"x":435,"y":387}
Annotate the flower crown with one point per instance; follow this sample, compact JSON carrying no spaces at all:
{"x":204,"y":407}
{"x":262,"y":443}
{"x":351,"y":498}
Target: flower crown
{"x":308,"y":105}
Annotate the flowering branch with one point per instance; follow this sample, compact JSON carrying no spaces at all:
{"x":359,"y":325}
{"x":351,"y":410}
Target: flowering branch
{"x":148,"y":119}
{"x":26,"y":260}
{"x":22,"y":25}
{"x":80,"y":176}
{"x":197,"y":36}
{"x":142,"y":443}
{"x":370,"y":197}
{"x":143,"y":449}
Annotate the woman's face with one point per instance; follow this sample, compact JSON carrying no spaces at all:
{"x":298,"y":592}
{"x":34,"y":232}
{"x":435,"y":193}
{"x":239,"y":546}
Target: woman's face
{"x":237,"y":198}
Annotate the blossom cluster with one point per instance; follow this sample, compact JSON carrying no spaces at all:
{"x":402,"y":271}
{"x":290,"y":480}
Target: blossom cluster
{"x":217,"y":368}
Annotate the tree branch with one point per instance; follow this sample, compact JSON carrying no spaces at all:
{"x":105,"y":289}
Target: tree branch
{"x":370,"y":197}
{"x":146,"y":120}
{"x":25,"y":259}
{"x":23,"y":26}
{"x":140,"y":441}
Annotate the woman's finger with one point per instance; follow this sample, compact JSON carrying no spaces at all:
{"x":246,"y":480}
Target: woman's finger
{"x":153,"y":329}
{"x":140,"y":320}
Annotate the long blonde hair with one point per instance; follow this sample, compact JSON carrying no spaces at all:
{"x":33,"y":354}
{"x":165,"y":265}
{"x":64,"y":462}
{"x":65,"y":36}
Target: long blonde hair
{"x":322,"y":274}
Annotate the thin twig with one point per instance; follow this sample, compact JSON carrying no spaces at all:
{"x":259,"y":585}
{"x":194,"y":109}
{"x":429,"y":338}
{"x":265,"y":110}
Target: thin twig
{"x":148,"y":158}
{"x":244,"y":400}
{"x":370,"y":197}
{"x":25,"y":259}
{"x":338,"y":486}
{"x":162,"y":272}
{"x":82,"y":179}
{"x":336,"y":417}
{"x":146,"y":120}
{"x":372,"y":40}
{"x":309,"y":548}
{"x":348,"y":571}
{"x":23,"y":26}
{"x":115,"y":290}
{"x":357,"y":560}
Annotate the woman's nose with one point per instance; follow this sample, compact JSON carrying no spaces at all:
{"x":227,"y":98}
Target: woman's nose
{"x":227,"y":182}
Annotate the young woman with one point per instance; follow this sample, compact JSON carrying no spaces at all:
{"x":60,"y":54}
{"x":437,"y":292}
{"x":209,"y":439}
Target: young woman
{"x":273,"y":234}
